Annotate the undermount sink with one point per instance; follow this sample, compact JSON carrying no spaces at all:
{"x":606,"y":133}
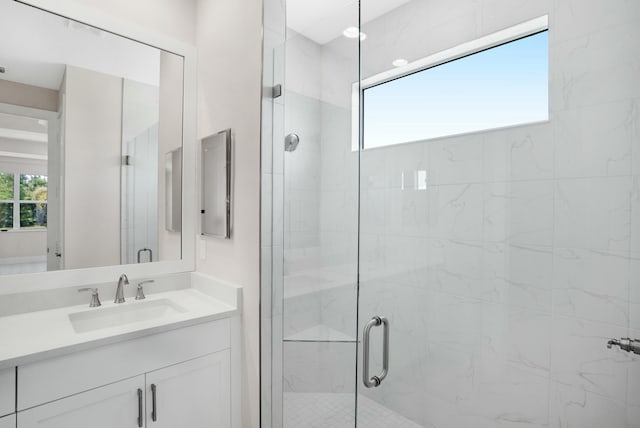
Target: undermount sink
{"x":123,"y":314}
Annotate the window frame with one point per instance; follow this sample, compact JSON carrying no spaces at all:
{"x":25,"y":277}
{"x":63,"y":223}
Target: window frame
{"x":516,"y":32}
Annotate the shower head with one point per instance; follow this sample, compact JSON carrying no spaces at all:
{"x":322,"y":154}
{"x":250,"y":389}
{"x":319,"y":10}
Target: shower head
{"x":291,"y":142}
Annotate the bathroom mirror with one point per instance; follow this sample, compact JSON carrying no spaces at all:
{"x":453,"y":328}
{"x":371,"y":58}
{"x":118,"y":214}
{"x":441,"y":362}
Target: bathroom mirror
{"x":86,"y":118}
{"x":216,"y":185}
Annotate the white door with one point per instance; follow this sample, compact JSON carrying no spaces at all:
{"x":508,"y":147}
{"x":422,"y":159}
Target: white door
{"x":194,"y":394}
{"x":118,"y":405}
{"x":8,"y":421}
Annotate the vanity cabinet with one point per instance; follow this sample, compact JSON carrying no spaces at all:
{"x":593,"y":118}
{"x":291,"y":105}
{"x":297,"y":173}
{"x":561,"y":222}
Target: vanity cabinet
{"x":8,"y":421}
{"x":192,"y":394}
{"x":179,"y":378}
{"x":115,"y":405}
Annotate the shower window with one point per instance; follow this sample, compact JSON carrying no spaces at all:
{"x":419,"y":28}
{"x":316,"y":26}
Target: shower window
{"x":495,"y":82}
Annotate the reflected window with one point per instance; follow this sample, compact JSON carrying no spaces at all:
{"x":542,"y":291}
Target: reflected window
{"x":23,"y":201}
{"x":501,"y":86}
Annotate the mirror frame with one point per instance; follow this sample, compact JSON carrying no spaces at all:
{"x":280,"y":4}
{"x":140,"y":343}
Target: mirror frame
{"x":11,"y":284}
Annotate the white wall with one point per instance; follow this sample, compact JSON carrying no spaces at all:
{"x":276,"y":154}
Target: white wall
{"x":174,"y":18}
{"x":229,"y":79}
{"x":92,"y":156}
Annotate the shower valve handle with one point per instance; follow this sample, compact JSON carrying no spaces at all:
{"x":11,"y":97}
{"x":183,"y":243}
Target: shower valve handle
{"x":626,"y":344}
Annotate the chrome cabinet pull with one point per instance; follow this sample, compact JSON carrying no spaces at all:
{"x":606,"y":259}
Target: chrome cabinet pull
{"x":374,"y":381}
{"x":139,"y":408}
{"x":154,"y":411}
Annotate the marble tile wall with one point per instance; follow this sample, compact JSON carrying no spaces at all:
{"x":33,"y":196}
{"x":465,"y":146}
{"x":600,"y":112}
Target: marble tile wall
{"x":507,"y":270}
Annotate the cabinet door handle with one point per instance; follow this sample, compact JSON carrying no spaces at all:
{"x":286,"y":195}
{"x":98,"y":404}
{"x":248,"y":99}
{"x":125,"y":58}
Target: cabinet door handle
{"x":139,"y":408}
{"x":154,"y":411}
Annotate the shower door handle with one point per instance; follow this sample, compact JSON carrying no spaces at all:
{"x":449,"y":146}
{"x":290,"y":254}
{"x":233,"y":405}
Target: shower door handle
{"x":374,"y":381}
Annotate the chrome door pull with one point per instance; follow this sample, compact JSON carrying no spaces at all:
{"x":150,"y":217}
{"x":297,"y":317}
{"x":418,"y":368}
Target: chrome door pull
{"x":139,"y":407}
{"x":374,"y":381}
{"x":626,"y":344}
{"x":154,"y":411}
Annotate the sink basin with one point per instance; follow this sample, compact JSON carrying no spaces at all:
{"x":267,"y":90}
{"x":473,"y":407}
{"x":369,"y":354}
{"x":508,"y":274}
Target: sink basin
{"x":123,"y":314}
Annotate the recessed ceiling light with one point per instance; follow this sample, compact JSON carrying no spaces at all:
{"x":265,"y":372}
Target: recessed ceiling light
{"x":353,"y":33}
{"x":400,"y":62}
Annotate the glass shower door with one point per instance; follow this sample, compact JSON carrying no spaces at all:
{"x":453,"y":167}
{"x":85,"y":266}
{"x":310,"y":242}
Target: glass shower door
{"x":318,"y":192}
{"x":499,"y":255}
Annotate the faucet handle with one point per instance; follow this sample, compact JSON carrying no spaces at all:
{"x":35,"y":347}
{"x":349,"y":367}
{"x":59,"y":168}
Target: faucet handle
{"x":140,"y":293}
{"x":95,"y":299}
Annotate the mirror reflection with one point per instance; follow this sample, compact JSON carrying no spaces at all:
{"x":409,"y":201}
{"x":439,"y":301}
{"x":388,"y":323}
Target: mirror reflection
{"x":86,"y":120}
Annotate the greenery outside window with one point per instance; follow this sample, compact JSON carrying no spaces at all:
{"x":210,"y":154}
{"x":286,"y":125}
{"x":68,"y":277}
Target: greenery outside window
{"x":23,"y":201}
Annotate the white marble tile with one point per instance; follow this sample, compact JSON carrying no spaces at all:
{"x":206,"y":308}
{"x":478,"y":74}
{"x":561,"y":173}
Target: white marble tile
{"x":592,"y":285}
{"x":598,"y":68}
{"x":500,"y":14}
{"x":634,"y":291}
{"x":635,"y":138}
{"x":593,"y":213}
{"x":522,"y":274}
{"x":455,"y":160}
{"x":634,"y":246}
{"x":301,"y":312}
{"x":319,"y":367}
{"x":595,"y":141}
{"x":303,"y":60}
{"x":452,"y":212}
{"x":519,"y":153}
{"x":580,"y":358}
{"x":519,"y":212}
{"x":575,"y":18}
{"x":407,"y":166}
{"x":633,"y":375}
{"x":572,"y":407}
{"x":339,"y":307}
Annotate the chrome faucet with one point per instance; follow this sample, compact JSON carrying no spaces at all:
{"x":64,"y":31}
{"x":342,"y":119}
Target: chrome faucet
{"x":119,"y":291}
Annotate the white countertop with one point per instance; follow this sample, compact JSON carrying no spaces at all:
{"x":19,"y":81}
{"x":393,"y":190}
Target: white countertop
{"x":44,"y":334}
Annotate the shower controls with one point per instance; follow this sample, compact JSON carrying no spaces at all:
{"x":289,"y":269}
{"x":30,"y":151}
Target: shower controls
{"x":375,"y":381}
{"x":291,"y":142}
{"x":626,"y":344}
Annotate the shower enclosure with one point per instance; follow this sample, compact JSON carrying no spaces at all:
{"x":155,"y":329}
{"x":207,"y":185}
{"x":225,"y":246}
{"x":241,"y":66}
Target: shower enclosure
{"x":451,"y":214}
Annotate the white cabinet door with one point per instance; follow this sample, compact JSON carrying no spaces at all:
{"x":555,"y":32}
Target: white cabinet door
{"x":118,"y":405}
{"x":194,"y":394}
{"x":7,"y":391}
{"x":8,"y":421}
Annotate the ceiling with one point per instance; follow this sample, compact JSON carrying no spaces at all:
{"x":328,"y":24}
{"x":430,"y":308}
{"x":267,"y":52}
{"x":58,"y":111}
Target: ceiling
{"x":327,"y":19}
{"x":36,"y":45}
